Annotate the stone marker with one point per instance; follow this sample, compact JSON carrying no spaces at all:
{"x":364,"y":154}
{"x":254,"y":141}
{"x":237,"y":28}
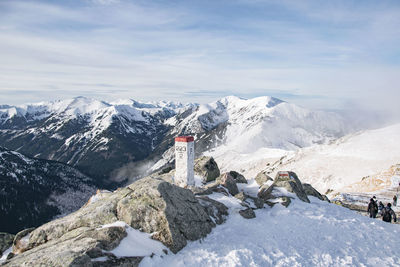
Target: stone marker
{"x":184,"y":161}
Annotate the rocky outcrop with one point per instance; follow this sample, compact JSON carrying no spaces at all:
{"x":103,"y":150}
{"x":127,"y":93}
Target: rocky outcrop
{"x":207,"y":168}
{"x":238,"y":177}
{"x":247,"y":213}
{"x":6,"y":241}
{"x":285,"y":185}
{"x":20,"y":243}
{"x":172,"y":214}
{"x":311,"y":191}
{"x":229,"y":182}
{"x":262,"y":178}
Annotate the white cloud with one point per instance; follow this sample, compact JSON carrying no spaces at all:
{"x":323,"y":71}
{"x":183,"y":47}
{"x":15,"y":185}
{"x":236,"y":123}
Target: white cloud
{"x":150,"y":51}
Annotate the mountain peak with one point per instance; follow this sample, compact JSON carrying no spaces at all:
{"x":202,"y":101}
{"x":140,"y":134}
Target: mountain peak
{"x":262,"y":101}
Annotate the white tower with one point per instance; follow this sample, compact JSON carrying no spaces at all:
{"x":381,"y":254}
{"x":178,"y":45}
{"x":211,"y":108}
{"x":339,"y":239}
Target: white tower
{"x":184,"y":160}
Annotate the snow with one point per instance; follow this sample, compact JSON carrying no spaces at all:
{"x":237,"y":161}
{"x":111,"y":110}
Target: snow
{"x":251,"y":188}
{"x":315,"y":234}
{"x":136,"y":243}
{"x":5,"y":254}
{"x":347,"y":160}
{"x":248,"y":164}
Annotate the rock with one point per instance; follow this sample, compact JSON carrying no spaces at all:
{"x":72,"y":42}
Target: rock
{"x":227,"y":181}
{"x":247,"y":213}
{"x":326,"y":198}
{"x":258,"y":202}
{"x":76,"y":248}
{"x":20,"y":242}
{"x":165,"y":170}
{"x":284,"y":181}
{"x":207,"y":168}
{"x":173,"y":214}
{"x":214,"y":209}
{"x":208,"y":189}
{"x":171,"y":211}
{"x":285,"y":201}
{"x":241,"y":196}
{"x":311,"y":191}
{"x":6,"y":241}
{"x":238,"y":177}
{"x":262,"y":178}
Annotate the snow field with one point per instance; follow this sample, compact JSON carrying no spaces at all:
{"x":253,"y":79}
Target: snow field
{"x":316,"y":234}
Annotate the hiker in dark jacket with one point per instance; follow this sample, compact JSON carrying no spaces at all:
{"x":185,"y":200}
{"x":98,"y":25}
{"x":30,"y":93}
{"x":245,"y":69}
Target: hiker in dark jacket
{"x":388,"y":214}
{"x":380,"y":207}
{"x":372,"y":208}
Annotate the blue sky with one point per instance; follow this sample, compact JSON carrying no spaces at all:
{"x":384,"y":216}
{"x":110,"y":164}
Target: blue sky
{"x":319,"y":54}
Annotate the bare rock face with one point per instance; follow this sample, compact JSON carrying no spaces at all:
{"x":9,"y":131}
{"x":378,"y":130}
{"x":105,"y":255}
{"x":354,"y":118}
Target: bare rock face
{"x":207,"y":168}
{"x":150,"y":205}
{"x":238,"y":177}
{"x":262,"y":178}
{"x":285,"y":183}
{"x":229,"y":182}
{"x":173,"y":212}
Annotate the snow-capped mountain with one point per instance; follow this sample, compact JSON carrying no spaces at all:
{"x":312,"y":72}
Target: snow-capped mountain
{"x":95,"y":136}
{"x":343,"y":164}
{"x":34,"y":191}
{"x":235,"y":125}
{"x":121,"y":139}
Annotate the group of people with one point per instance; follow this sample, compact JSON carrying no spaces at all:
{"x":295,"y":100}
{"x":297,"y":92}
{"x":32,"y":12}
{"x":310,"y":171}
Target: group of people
{"x":386,"y":212}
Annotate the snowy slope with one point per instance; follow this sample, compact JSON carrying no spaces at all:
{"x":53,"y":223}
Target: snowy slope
{"x":346,"y":161}
{"x":316,"y":234}
{"x":263,"y":122}
{"x":232,"y":128}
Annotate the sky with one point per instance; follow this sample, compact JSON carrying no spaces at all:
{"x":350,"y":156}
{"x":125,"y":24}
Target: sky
{"x":319,"y":54}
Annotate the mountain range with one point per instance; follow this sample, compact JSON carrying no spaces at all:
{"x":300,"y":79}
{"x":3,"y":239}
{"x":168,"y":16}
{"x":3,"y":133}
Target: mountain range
{"x":120,"y":141}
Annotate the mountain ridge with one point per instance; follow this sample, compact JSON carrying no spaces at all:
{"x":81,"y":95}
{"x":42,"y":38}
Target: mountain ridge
{"x":127,"y":133}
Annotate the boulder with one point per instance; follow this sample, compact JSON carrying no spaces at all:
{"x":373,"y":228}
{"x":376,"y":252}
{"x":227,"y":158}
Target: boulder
{"x":229,"y":182}
{"x":247,"y":213}
{"x":262,"y":178}
{"x":311,"y":191}
{"x":76,"y":248}
{"x":172,"y":214}
{"x":6,"y":241}
{"x":207,"y":168}
{"x":286,"y":184}
{"x":258,"y":202}
{"x":238,"y":177}
{"x":20,"y":242}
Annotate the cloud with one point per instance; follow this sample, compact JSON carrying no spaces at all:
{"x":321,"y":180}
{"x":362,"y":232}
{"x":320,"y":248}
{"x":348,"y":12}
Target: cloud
{"x":317,"y":54}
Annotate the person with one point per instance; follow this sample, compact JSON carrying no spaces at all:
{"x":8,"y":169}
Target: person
{"x":380,"y":207}
{"x":395,"y":201}
{"x":388,"y":214}
{"x":372,"y":208}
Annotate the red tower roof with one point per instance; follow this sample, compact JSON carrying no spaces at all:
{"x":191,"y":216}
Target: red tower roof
{"x":184,"y":139}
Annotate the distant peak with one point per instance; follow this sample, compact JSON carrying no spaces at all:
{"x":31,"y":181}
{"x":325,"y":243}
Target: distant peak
{"x":267,"y":101}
